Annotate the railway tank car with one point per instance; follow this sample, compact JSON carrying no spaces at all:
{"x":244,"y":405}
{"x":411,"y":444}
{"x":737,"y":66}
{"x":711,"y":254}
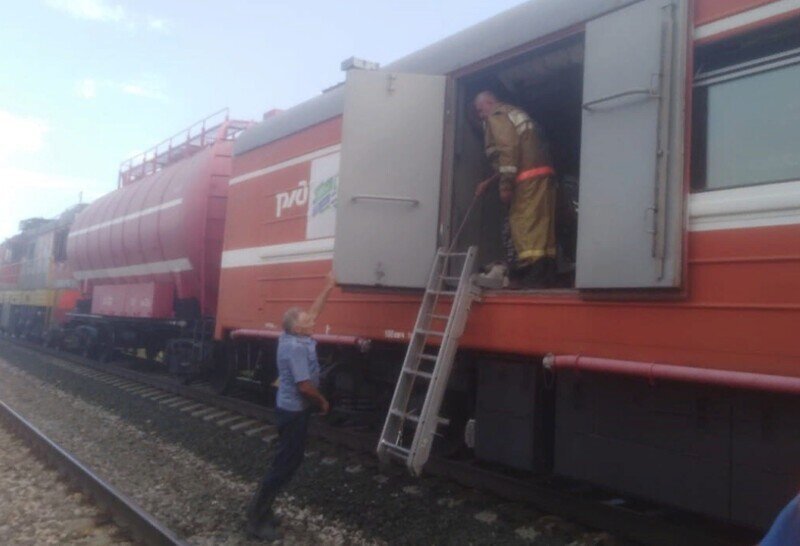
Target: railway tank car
{"x":667,"y":366}
{"x":147,"y":255}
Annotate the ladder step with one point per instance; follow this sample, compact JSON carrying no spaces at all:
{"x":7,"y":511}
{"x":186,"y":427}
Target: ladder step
{"x":395,"y":448}
{"x":443,"y":292}
{"x":418,"y":373}
{"x":415,"y":418}
{"x":440,"y":317}
{"x":429,"y":358}
{"x":429,"y":333}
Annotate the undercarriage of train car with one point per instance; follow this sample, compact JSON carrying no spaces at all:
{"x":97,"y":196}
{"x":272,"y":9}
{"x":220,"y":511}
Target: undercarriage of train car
{"x":184,"y":345}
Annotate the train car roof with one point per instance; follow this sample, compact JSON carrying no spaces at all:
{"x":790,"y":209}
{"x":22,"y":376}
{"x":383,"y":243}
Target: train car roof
{"x":498,"y":34}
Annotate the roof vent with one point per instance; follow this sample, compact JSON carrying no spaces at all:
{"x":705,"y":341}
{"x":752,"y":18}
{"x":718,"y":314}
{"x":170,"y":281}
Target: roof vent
{"x":271,"y":114}
{"x":360,"y":64}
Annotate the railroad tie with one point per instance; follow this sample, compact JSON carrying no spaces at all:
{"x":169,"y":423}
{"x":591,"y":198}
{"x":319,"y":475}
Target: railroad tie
{"x":203,"y":411}
{"x":224,"y":422}
{"x":216,"y":415}
{"x":257,"y":430}
{"x":244,"y":424}
{"x":150,"y":393}
{"x":139,"y":390}
{"x":193,"y":407}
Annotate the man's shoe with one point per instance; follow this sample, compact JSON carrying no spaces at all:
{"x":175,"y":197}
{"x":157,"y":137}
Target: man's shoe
{"x":267,"y":531}
{"x":495,"y":278}
{"x":537,"y":275}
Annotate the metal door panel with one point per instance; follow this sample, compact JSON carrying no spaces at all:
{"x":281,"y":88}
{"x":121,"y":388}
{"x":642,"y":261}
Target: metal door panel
{"x":631,"y":160}
{"x":388,"y":205}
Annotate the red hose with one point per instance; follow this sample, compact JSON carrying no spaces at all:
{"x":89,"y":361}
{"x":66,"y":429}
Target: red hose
{"x":360,"y":342}
{"x":670,"y":372}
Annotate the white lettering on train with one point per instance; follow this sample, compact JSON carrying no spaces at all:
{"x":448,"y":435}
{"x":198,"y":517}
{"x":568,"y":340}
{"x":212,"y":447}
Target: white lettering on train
{"x":297,"y":197}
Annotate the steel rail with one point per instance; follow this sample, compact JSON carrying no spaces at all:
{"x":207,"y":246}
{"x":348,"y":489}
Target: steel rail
{"x":660,"y":526}
{"x":140,"y":525}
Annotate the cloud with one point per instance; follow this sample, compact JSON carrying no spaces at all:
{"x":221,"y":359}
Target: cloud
{"x":86,"y":88}
{"x":105,"y":11}
{"x":20,"y":134}
{"x":158,"y":25}
{"x":28,"y":180}
{"x":30,"y":192}
{"x":90,"y":10}
{"x":146,"y":88}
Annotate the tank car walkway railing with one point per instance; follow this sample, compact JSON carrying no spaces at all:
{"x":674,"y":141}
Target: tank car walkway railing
{"x":185,"y":143}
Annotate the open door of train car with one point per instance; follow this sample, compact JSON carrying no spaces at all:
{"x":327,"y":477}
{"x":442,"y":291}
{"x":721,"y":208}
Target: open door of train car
{"x":390,"y":175}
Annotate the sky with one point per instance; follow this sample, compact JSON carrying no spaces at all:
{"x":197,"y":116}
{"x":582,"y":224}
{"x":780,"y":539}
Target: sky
{"x":85,"y":84}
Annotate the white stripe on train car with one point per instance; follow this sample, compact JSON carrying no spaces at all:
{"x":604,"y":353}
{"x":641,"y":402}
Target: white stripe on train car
{"x":152,"y":268}
{"x":131,"y":216}
{"x":288,"y":163}
{"x":746,"y":18}
{"x":747,"y":207}
{"x":302,"y":251}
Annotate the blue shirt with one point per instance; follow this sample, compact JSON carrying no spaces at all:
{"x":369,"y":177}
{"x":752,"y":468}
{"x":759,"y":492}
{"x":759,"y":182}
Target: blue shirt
{"x":297,"y":361}
{"x":785,"y":531}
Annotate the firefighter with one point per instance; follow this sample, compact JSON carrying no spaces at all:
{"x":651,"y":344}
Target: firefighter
{"x":520,"y":157}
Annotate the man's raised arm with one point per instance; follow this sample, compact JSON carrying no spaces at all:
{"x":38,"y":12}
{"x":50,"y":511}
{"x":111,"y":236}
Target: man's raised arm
{"x":319,"y":303}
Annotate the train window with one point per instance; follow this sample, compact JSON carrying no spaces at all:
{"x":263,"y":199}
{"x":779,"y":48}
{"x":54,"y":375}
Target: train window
{"x":747,"y":112}
{"x":60,"y":246}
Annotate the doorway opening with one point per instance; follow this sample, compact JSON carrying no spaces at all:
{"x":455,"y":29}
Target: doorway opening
{"x":547,"y":84}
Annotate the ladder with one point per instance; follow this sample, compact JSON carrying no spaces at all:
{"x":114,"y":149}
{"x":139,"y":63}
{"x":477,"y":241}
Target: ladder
{"x":414,"y":412}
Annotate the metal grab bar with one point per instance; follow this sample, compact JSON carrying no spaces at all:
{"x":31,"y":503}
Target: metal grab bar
{"x":391,"y":198}
{"x":648,"y":91}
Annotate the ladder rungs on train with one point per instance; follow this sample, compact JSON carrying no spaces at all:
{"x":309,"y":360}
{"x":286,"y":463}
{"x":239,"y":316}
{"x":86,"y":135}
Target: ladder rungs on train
{"x":414,"y":413}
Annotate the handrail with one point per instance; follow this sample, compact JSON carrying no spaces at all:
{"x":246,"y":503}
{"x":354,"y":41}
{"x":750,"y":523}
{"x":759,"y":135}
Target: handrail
{"x":180,"y":145}
{"x":390,"y":198}
{"x":589,"y":106}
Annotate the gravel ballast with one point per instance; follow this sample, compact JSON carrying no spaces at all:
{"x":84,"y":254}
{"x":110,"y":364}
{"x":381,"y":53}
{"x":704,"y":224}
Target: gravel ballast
{"x":197,"y":476}
{"x":37,"y":507}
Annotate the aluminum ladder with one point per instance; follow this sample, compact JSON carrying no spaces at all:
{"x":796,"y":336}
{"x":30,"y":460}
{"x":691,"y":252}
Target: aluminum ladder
{"x":413,"y":415}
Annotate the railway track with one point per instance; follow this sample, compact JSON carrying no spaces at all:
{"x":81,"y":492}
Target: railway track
{"x":646,"y":524}
{"x":138,"y":524}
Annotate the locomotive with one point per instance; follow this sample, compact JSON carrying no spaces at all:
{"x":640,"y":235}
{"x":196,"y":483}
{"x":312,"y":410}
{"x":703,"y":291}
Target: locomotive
{"x":37,"y":288}
{"x":664,"y":365}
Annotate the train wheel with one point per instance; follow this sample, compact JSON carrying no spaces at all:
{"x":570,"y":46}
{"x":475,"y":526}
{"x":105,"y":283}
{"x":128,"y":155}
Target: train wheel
{"x":88,"y":350}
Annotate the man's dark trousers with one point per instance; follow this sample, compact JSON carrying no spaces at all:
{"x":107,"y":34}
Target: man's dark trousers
{"x":292,"y":433}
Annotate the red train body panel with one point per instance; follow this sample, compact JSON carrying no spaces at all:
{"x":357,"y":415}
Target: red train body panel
{"x":725,"y":316}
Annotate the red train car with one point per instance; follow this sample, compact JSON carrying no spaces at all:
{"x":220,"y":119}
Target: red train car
{"x":675,"y":364}
{"x":147,"y":255}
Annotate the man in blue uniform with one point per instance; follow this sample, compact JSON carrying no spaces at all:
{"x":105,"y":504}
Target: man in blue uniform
{"x":298,"y":394}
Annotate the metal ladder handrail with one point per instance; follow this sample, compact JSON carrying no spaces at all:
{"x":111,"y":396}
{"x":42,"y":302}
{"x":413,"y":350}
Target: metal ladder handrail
{"x":425,"y":423}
